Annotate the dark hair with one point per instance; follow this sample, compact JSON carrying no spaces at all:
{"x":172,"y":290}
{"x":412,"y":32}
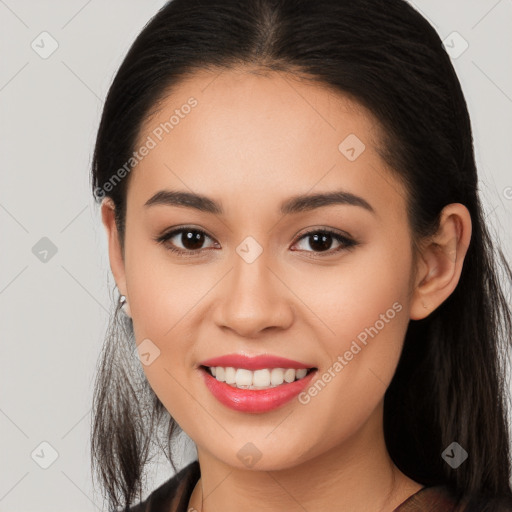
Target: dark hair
{"x":449,"y":384}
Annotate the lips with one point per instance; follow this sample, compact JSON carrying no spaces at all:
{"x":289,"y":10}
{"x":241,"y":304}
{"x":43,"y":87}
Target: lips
{"x":254,"y":400}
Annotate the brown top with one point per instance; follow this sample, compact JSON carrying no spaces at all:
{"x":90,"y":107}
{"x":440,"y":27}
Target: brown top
{"x":174,"y":495}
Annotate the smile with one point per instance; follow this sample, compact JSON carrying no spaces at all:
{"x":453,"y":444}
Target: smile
{"x":241,"y":396}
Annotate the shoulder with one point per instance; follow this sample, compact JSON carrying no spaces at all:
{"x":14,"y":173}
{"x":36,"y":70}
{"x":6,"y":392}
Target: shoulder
{"x":489,"y":504}
{"x":173,"y":494}
{"x":442,"y":498}
{"x":430,"y":499}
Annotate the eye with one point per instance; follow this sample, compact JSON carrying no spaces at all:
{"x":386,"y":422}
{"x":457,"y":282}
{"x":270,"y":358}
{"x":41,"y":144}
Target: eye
{"x":191,"y":239}
{"x":321,"y":240}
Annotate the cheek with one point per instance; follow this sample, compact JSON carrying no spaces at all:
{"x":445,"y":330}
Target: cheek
{"x":352,"y":296}
{"x":161,"y":296}
{"x":161,"y":292}
{"x":364,"y":304}
{"x":160,"y":304}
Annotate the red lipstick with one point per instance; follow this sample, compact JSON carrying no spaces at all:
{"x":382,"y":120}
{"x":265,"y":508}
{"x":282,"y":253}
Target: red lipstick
{"x":255,"y":400}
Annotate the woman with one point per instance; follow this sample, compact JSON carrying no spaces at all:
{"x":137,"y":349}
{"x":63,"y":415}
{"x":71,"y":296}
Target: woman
{"x":289,"y":193}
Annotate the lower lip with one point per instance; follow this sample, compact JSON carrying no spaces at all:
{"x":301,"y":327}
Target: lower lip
{"x":255,"y":400}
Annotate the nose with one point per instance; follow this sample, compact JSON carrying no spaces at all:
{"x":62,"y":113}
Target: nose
{"x":253,"y":298}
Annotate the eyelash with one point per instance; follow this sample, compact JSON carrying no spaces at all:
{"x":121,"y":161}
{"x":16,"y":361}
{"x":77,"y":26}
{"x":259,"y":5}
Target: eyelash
{"x":346,"y":243}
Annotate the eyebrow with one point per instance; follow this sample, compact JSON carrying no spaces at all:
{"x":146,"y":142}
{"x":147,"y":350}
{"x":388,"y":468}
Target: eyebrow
{"x":295,"y":204}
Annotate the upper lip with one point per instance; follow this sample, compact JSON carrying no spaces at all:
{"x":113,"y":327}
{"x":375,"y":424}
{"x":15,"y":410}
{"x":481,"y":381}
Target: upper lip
{"x":253,"y":363}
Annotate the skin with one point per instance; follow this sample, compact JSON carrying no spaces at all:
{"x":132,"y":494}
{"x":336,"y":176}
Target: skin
{"x":253,"y":141}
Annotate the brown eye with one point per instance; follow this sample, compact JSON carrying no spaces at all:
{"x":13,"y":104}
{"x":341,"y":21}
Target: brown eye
{"x":322,"y":240}
{"x":191,"y":240}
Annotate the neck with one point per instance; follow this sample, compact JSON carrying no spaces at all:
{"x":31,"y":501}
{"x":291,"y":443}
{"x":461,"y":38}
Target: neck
{"x":357,"y":474}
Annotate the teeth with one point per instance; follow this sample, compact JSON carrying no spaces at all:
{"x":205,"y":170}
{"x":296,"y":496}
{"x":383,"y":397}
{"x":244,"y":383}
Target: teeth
{"x":230,"y":375}
{"x":289,"y":375}
{"x":257,"y":379}
{"x":276,"y":376}
{"x":220,"y":374}
{"x":261,"y":378}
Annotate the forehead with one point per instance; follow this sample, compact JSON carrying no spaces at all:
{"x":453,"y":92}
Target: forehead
{"x":228,"y":133}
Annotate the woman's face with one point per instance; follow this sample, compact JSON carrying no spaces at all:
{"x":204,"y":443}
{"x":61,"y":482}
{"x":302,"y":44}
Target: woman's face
{"x":256,"y":284}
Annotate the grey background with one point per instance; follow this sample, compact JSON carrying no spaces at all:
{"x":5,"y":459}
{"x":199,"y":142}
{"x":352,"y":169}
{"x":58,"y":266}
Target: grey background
{"x":54,"y":313}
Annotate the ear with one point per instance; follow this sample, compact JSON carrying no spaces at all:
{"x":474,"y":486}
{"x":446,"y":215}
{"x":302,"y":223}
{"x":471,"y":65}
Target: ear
{"x":114,"y":247}
{"x":440,"y":261}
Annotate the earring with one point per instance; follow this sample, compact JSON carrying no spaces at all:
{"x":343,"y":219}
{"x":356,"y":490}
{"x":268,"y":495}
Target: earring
{"x":125,"y":306}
